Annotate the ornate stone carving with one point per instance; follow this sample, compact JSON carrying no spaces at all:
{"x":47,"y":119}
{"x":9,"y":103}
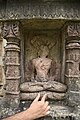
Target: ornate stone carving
{"x":73,"y":59}
{"x":34,"y":50}
{"x":72,"y":71}
{"x":11,"y":30}
{"x":43,"y":9}
{"x":43,"y":76}
{"x":72,"y":50}
{"x":41,"y":65}
{"x":53,"y":95}
{"x":73,"y":29}
{"x":11,"y":33}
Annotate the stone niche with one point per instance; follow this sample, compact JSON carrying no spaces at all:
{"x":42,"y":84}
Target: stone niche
{"x":45,"y":63}
{"x":37,"y":43}
{"x":34,"y":43}
{"x":52,"y":51}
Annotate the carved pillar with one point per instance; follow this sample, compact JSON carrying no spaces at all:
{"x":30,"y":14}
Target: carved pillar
{"x":72,"y":71}
{"x":11,"y":33}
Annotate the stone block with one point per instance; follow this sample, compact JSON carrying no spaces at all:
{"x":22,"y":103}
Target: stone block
{"x":2,"y":92}
{"x":0,"y":48}
{"x":1,"y":74}
{"x":73,"y":84}
{"x":14,"y":60}
{"x":74,"y":98}
{"x":12,"y":86}
{"x":12,"y":71}
{"x":12,"y":54}
{"x":12,"y":100}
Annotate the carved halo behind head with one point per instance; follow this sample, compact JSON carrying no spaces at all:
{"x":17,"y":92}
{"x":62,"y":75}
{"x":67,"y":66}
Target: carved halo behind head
{"x":44,"y":51}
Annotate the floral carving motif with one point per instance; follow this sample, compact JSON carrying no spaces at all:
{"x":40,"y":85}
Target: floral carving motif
{"x":73,"y":30}
{"x":10,"y":30}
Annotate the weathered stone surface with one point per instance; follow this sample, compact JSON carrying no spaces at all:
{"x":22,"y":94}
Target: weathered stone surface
{"x":12,"y":71}
{"x":13,"y":59}
{"x":33,"y":50}
{"x":12,"y":54}
{"x":74,"y":98}
{"x":39,"y":9}
{"x":12,"y":86}
{"x":8,"y":108}
{"x":1,"y":74}
{"x":10,"y":32}
{"x":57,"y":111}
{"x":50,"y":95}
{"x":43,"y":86}
{"x":74,"y":84}
{"x":2,"y":92}
{"x":72,"y":72}
{"x":42,"y":65}
{"x":0,"y":48}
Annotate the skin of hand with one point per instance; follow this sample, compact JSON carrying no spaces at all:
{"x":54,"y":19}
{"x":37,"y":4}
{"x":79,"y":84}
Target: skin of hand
{"x":37,"y":109}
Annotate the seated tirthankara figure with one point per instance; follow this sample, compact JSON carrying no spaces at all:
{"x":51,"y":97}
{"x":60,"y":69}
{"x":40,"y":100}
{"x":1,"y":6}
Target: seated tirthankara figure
{"x":43,"y":79}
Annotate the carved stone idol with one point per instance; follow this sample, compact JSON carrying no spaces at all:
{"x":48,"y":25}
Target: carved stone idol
{"x":43,"y":79}
{"x":42,"y":65}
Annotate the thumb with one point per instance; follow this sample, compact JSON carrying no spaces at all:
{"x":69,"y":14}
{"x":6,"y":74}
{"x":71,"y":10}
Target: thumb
{"x":37,"y":98}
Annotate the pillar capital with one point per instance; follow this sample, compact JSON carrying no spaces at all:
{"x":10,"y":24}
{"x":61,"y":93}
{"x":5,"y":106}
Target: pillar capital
{"x":73,"y":29}
{"x":72,"y":32}
{"x":10,"y":30}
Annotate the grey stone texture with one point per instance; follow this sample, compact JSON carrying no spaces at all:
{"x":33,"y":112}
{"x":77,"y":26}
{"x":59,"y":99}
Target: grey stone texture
{"x":53,"y":9}
{"x":65,"y":37}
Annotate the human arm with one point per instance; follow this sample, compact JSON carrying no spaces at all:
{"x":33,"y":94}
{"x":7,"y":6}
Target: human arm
{"x":36,"y":110}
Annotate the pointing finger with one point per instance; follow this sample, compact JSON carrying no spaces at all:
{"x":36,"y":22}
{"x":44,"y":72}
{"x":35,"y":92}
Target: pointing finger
{"x":37,"y":98}
{"x":44,"y":98}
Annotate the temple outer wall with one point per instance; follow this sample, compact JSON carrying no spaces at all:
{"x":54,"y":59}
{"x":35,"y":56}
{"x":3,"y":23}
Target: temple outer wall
{"x":61,"y":11}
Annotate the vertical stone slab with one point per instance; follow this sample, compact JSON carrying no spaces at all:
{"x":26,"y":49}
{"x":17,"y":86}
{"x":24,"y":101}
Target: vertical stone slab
{"x":72,"y":71}
{"x":1,"y":68}
{"x":12,"y":62}
{"x":0,"y":61}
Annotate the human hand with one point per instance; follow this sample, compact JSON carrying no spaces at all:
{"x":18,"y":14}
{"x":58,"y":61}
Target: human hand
{"x":39,"y":108}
